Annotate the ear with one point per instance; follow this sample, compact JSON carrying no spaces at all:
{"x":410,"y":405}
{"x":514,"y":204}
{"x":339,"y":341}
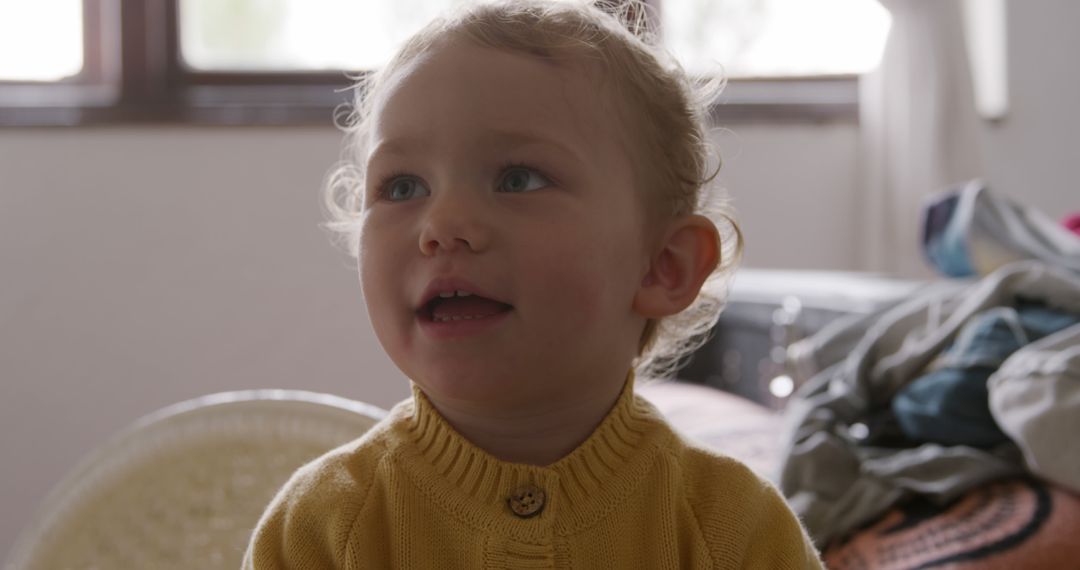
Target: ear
{"x":688,"y":254}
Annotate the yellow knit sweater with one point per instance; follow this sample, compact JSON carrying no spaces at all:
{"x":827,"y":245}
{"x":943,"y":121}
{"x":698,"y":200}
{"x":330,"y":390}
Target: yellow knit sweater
{"x":413,"y":493}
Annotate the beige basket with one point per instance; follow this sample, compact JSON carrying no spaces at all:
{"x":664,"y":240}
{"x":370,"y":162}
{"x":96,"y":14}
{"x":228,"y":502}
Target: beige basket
{"x":184,"y":486}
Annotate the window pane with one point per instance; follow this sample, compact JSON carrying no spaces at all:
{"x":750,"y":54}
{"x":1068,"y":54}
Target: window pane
{"x":298,"y":35}
{"x":776,"y":38}
{"x":40,"y":40}
{"x":750,"y":38}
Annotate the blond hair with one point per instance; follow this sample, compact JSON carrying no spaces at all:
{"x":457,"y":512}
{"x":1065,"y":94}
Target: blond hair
{"x":667,"y":110}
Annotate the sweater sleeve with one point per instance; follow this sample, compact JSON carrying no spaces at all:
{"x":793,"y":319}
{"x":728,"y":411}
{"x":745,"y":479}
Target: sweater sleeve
{"x":744,"y":519}
{"x":309,"y":522}
{"x":779,"y":539}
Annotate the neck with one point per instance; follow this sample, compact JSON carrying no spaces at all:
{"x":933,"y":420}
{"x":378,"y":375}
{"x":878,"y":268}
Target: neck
{"x":533,"y":434}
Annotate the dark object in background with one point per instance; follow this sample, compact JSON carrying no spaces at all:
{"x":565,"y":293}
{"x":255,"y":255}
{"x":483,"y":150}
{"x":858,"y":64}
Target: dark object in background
{"x":767,"y":311}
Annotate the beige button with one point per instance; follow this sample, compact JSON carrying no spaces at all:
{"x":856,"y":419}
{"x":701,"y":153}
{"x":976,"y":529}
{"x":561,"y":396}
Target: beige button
{"x":527,"y":501}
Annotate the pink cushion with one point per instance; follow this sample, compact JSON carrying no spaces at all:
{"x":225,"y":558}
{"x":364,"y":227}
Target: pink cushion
{"x":727,"y":423}
{"x":1019,"y":523}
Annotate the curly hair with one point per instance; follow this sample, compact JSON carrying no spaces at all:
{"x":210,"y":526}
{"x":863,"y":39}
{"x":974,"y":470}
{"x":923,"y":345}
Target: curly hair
{"x":667,"y":109}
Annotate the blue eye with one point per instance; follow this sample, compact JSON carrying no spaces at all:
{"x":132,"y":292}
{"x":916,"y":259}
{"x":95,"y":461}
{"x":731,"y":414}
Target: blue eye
{"x":517,"y":180}
{"x":402,"y":189}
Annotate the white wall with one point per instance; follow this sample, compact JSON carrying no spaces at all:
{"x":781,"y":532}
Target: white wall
{"x":1034,"y":154}
{"x":794,"y":188}
{"x":141,"y":267}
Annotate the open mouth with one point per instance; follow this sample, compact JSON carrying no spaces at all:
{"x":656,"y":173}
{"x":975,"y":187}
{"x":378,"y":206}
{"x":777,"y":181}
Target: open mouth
{"x":460,"y":306}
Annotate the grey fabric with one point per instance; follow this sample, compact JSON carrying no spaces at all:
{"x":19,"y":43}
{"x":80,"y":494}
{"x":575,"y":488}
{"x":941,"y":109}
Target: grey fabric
{"x":834,"y":481}
{"x":835,"y":341}
{"x":949,"y":404}
{"x":1035,"y":398}
{"x":1001,"y":229}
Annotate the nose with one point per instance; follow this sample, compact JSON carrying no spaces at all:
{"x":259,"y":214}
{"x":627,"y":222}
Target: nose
{"x":453,"y":223}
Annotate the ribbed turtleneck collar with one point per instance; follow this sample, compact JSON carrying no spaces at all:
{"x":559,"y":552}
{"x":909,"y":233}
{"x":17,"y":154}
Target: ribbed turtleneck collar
{"x":474,"y":486}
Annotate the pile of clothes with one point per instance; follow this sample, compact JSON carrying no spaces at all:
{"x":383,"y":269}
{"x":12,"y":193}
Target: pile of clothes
{"x":965,"y":383}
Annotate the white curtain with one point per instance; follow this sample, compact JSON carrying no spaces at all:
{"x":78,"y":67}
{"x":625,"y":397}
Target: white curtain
{"x":920,"y":131}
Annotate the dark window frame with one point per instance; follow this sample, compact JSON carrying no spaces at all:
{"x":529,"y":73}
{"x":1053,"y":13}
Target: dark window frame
{"x":133,"y":74}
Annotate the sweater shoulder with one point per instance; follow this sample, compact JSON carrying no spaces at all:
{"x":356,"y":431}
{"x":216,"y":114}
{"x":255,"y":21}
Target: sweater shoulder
{"x":743,"y":518}
{"x":704,"y":469}
{"x":312,"y":516}
{"x":344,"y":472}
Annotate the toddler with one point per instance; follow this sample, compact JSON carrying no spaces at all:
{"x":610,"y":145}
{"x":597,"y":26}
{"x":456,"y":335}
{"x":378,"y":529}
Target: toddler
{"x":523,"y":193}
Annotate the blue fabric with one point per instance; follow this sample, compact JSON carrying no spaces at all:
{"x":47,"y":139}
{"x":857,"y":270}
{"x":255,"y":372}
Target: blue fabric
{"x":943,"y":237}
{"x":949,"y":405}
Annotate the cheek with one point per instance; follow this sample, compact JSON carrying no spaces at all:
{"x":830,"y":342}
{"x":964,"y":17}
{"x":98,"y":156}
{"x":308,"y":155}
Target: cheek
{"x":380,"y":240}
{"x":367,"y":261}
{"x":588,"y":274}
{"x":377,"y":273}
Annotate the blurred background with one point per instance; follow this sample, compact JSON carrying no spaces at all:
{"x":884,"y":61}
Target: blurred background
{"x":160,"y":167}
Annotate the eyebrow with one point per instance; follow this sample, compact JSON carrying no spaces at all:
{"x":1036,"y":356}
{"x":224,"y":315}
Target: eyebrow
{"x":499,"y":138}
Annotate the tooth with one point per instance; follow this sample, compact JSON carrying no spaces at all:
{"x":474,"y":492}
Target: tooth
{"x":464,"y":294}
{"x":447,"y":294}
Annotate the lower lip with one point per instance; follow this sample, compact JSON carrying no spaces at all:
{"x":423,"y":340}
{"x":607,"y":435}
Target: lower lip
{"x":461,"y":328}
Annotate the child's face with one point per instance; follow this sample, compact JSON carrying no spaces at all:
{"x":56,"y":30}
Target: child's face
{"x":558,"y":243}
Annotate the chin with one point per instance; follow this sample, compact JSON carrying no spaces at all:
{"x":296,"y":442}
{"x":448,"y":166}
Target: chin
{"x":471,"y":384}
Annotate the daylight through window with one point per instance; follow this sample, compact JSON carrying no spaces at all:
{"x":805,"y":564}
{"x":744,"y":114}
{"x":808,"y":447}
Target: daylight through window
{"x":40,"y":40}
{"x":749,"y":38}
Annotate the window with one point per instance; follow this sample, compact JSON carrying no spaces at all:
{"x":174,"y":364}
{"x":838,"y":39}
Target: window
{"x":776,"y":38}
{"x":55,"y":60}
{"x":40,"y":41}
{"x":297,"y":36}
{"x":283,"y":61}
